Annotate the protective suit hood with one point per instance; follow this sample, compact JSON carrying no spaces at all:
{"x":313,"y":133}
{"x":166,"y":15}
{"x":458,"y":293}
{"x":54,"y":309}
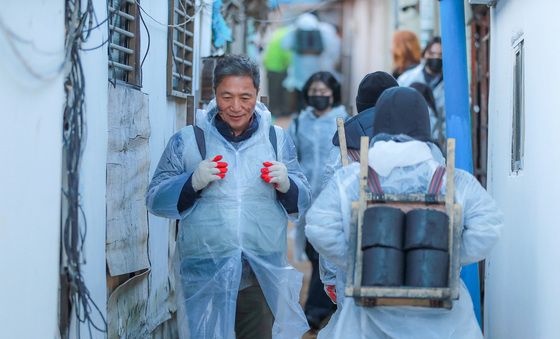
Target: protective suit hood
{"x":307,"y":22}
{"x":402,"y":110}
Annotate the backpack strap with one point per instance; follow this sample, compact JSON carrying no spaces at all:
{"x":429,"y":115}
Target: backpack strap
{"x":273,"y":140}
{"x":373,"y":178}
{"x":373,"y":182}
{"x":200,"y":141}
{"x":295,"y":121}
{"x":354,"y":154}
{"x":437,"y":180}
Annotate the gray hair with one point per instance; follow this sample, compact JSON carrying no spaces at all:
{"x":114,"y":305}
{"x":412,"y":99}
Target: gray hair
{"x":236,"y":65}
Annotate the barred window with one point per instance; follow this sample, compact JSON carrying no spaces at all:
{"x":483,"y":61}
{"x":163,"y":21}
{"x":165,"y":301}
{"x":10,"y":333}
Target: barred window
{"x":180,"y":42}
{"x":124,"y":41}
{"x":518,"y":121}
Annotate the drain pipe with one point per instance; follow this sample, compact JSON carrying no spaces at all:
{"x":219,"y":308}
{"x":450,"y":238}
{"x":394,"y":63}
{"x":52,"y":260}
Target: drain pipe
{"x":452,"y":13}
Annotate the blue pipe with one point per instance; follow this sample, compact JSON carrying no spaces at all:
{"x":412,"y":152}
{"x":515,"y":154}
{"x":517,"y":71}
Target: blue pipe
{"x":457,"y":115}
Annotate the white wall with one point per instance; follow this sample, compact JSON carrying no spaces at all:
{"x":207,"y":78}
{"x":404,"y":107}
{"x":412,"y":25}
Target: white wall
{"x":167,"y":115}
{"x":162,"y":113}
{"x":368,"y":28}
{"x":30,"y":158}
{"x":94,"y":165}
{"x":522,"y":272}
{"x":31,"y":153}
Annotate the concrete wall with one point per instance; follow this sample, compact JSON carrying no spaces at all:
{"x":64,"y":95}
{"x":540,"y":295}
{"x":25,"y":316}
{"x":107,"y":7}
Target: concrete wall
{"x":30,"y":157}
{"x":166,"y":115}
{"x":93,"y":167}
{"x":31,"y":152}
{"x":522,"y":272}
{"x":367,"y":40}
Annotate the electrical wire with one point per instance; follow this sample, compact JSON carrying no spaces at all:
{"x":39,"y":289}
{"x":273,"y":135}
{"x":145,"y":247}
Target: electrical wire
{"x":89,"y":49}
{"x":11,"y":34}
{"x":197,"y":10}
{"x":293,"y":18}
{"x":74,"y":230}
{"x":149,"y":38}
{"x":12,"y":38}
{"x":147,"y":47}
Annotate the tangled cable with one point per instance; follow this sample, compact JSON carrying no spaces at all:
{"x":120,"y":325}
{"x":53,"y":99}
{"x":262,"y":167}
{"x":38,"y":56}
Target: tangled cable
{"x":73,"y":234}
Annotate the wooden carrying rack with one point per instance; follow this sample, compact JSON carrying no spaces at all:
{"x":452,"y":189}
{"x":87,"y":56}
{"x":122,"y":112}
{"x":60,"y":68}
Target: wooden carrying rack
{"x":439,"y":297}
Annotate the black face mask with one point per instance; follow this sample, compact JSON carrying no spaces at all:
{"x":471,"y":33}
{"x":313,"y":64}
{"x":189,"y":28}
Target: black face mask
{"x":320,"y":103}
{"x":434,"y":64}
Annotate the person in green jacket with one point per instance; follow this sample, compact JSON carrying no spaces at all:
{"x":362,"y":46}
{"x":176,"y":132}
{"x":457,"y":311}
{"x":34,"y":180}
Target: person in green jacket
{"x":276,"y":60}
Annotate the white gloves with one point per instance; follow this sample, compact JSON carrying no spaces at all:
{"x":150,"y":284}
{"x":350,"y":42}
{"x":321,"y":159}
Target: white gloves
{"x":276,"y":173}
{"x":207,"y":172}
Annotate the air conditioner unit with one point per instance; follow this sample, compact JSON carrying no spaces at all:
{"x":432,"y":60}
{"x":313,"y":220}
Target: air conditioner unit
{"x":483,"y":2}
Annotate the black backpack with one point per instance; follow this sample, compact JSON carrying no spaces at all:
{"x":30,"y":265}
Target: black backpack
{"x":308,"y":42}
{"x":201,"y":142}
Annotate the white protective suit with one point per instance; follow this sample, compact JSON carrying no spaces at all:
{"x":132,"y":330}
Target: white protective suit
{"x":303,"y":66}
{"x":327,"y":269}
{"x":312,"y":136}
{"x":328,"y":226}
{"x":237,"y":215}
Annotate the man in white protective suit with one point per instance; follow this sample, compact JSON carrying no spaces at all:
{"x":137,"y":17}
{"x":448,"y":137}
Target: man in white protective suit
{"x":232,"y":180}
{"x":405,"y":161}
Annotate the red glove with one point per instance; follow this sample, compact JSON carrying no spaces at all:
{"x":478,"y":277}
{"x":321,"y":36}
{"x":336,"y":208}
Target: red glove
{"x":208,"y":171}
{"x":265,"y":171}
{"x":222,"y":166}
{"x":331,"y":292}
{"x":276,"y":173}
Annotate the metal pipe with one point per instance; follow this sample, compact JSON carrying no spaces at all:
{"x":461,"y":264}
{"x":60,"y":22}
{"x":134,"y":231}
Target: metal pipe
{"x":457,"y":117}
{"x":121,"y":48}
{"x":121,"y":66}
{"x":121,"y":31}
{"x":183,"y":77}
{"x":121,"y":14}
{"x":183,"y":61}
{"x":185,"y":47}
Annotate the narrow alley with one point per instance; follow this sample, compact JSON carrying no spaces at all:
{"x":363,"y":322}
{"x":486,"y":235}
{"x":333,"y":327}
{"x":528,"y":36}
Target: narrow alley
{"x":332,"y":169}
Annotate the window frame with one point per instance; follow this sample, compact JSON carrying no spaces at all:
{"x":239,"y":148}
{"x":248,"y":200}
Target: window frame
{"x":518,"y":107}
{"x":180,"y":50}
{"x":128,"y":30}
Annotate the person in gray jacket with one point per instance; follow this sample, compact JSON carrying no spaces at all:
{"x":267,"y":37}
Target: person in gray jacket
{"x":232,"y":180}
{"x":430,"y":73}
{"x":311,"y":132}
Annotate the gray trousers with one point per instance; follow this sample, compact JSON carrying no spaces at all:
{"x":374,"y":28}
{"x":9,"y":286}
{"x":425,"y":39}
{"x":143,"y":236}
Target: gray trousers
{"x":253,"y":318}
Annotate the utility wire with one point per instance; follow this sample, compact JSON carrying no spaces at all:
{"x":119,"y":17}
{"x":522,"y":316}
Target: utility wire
{"x":293,"y":18}
{"x":200,"y":7}
{"x":79,"y":25}
{"x":12,"y":38}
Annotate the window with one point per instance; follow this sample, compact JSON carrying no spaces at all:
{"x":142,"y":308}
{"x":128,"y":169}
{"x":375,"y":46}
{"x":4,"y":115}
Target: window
{"x":124,"y":41}
{"x":180,"y":42}
{"x":518,"y":121}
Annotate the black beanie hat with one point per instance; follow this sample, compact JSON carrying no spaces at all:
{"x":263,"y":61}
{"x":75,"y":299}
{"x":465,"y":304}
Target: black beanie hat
{"x":371,"y":87}
{"x":402,"y":110}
